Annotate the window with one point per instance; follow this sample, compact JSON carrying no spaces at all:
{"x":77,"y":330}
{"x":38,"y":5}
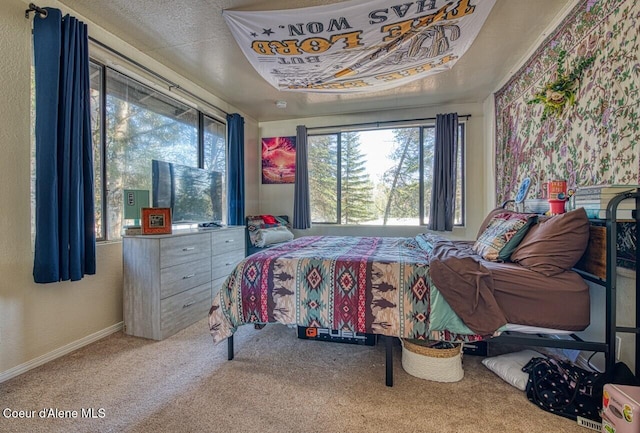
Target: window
{"x":376,"y":177}
{"x":134,"y":124}
{"x":96,"y":81}
{"x":214,"y":144}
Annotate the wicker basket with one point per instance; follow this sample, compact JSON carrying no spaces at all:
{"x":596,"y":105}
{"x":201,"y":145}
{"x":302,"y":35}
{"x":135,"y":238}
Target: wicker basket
{"x":440,"y":365}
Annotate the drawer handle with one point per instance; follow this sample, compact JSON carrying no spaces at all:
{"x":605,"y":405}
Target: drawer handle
{"x":186,"y":277}
{"x":230,"y":240}
{"x":188,"y":304}
{"x":189,"y":249}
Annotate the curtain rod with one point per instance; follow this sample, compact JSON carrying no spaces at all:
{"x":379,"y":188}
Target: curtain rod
{"x":377,"y":124}
{"x":36,"y":9}
{"x":170,"y":83}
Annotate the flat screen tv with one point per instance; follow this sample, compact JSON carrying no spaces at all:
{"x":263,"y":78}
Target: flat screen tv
{"x":194,"y":195}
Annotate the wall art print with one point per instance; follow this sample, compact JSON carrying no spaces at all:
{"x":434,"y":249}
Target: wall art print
{"x":596,"y":139}
{"x":278,"y":160}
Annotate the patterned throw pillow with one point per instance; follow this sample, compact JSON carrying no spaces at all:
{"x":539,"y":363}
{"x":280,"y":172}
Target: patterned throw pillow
{"x":504,"y":232}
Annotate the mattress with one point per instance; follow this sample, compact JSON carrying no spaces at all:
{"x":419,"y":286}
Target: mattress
{"x":524,"y":329}
{"x":560,"y":302}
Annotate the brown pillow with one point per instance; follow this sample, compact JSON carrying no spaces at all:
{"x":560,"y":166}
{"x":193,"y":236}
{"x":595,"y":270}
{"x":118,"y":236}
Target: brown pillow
{"x":554,"y":245}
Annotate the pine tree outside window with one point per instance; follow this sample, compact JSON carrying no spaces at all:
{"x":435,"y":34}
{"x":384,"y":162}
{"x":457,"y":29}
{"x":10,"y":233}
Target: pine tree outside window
{"x":376,"y":177}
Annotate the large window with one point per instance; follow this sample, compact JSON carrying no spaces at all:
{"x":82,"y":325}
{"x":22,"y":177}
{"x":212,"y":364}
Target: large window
{"x":134,"y":124}
{"x":377,"y":177}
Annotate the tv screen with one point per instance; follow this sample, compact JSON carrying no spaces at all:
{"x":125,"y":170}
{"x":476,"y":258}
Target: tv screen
{"x":194,"y":195}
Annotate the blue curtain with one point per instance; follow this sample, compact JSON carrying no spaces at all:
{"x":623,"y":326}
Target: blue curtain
{"x":235,"y":127}
{"x":301,"y":203}
{"x":65,"y":247}
{"x":445,"y":168}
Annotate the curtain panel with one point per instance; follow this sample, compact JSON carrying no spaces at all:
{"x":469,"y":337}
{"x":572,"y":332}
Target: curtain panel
{"x":235,"y":126}
{"x":445,"y":162}
{"x":65,"y":221}
{"x":302,"y":202}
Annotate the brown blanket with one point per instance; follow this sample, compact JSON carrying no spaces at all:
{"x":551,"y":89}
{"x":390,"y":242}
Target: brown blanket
{"x":530,"y":298}
{"x":467,"y":286}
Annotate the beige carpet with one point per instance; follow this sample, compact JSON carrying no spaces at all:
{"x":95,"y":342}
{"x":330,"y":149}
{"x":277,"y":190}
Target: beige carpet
{"x":276,"y":383}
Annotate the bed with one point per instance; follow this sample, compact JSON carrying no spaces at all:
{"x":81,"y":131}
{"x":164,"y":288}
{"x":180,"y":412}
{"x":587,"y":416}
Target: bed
{"x":425,"y":287}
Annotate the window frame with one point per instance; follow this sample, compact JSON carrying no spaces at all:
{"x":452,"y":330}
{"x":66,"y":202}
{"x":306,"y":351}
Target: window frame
{"x":200,"y":124}
{"x":398,"y":125}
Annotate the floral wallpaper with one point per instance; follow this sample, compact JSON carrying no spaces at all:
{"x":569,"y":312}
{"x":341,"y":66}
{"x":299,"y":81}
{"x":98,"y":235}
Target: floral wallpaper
{"x":594,"y":140}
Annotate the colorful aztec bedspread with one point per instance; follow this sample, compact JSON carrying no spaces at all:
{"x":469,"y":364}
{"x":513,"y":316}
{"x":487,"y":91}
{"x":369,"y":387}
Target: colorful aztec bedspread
{"x":377,"y":285}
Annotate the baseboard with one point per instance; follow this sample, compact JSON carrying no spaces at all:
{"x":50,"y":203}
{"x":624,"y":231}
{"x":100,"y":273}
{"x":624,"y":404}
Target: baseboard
{"x":59,"y":352}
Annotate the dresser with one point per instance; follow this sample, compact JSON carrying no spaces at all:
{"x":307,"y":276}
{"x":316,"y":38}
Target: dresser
{"x":170,"y":280}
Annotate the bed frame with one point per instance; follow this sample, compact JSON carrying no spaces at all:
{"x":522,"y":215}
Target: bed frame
{"x":597,"y":265}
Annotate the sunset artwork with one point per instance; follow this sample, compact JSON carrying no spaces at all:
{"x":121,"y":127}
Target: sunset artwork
{"x":278,"y":160}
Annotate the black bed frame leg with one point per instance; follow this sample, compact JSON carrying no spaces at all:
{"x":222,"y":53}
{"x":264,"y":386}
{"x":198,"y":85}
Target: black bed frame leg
{"x":388,"y":345}
{"x":230,"y":348}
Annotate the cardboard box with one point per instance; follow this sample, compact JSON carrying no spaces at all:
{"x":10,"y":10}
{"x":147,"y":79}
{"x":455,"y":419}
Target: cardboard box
{"x":620,"y":409}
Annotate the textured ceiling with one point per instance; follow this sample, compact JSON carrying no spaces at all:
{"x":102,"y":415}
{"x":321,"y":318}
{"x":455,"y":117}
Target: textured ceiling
{"x":191,"y":37}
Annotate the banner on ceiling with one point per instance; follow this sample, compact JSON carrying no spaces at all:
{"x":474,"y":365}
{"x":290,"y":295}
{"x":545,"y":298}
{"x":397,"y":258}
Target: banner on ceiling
{"x":357,"y":46}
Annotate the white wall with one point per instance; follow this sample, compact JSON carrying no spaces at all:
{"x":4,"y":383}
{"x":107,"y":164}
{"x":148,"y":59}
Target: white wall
{"x":252,"y":177}
{"x":41,"y":321}
{"x":278,"y":199}
{"x":625,"y":302}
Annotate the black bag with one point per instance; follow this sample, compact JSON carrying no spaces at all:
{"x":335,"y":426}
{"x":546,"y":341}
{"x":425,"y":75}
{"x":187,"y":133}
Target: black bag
{"x":564,"y":389}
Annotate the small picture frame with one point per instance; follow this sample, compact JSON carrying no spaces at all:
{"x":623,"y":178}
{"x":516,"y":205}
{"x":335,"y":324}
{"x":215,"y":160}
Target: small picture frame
{"x":156,"y":220}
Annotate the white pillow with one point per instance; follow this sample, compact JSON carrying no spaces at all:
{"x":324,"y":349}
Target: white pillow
{"x":272,"y":235}
{"x":509,"y":366}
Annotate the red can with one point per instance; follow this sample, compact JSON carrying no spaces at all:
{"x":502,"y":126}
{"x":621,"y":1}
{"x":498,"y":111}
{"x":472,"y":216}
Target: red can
{"x":557,"y":190}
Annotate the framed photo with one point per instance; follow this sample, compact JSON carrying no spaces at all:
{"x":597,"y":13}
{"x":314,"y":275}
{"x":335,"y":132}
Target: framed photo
{"x":156,"y":220}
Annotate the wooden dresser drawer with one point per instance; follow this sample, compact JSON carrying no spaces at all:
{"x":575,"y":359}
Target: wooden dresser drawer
{"x":176,"y":279}
{"x":182,"y":249}
{"x":226,"y":240}
{"x":216,"y":285}
{"x":223,"y":264}
{"x":181,"y":310}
